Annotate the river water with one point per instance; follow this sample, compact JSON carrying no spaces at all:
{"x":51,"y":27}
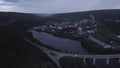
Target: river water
{"x":71,"y":46}
{"x":59,"y":43}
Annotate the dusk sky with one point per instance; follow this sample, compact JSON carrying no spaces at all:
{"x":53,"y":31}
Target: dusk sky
{"x":56,"y":6}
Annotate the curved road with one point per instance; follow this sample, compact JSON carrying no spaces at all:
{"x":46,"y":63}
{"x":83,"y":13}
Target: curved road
{"x":59,"y":43}
{"x":55,"y":56}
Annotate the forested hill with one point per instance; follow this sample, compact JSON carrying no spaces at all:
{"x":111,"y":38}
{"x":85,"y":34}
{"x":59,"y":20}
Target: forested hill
{"x":19,"y":21}
{"x":100,"y":14}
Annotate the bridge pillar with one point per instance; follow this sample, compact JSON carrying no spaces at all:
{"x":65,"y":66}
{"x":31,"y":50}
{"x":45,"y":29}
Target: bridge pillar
{"x":107,"y":61}
{"x":94,"y":61}
{"x":84,"y":60}
{"x":119,"y":60}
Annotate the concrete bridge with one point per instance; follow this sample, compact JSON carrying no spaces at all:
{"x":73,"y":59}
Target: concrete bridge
{"x":56,"y":56}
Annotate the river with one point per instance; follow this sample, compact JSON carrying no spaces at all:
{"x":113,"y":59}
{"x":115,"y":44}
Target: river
{"x":71,"y":46}
{"x":59,"y":43}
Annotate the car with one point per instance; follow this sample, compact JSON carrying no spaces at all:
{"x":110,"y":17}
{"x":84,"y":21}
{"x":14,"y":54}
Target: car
{"x":111,"y":42}
{"x":53,"y":54}
{"x":113,"y":47}
{"x":75,"y":55}
{"x":107,"y":47}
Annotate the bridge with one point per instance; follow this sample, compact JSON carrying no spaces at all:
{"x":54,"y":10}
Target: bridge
{"x":56,"y":56}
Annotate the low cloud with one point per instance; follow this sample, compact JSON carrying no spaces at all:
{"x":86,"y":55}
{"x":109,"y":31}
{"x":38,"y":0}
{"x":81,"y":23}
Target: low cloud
{"x":61,"y":6}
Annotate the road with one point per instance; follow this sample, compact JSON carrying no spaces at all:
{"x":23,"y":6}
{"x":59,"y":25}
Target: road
{"x":46,"y":50}
{"x":65,"y":44}
{"x":103,"y":44}
{"x":55,"y":55}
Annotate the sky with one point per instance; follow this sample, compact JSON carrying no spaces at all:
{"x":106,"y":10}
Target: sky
{"x":56,"y":6}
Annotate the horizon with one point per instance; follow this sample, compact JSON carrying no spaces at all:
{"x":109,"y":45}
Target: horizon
{"x":56,"y":6}
{"x":58,"y":13}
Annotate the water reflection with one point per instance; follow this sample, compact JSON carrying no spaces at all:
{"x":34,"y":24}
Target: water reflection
{"x":60,"y":43}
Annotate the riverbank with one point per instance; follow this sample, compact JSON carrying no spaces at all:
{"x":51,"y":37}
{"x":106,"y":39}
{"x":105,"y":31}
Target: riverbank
{"x":90,"y":45}
{"x":58,"y":43}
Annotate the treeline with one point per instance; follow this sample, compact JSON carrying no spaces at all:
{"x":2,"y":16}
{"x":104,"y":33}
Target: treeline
{"x":14,"y":51}
{"x":96,"y":48}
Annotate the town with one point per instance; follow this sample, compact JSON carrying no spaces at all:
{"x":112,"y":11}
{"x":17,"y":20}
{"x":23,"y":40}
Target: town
{"x":89,"y":28}
{"x":83,"y":27}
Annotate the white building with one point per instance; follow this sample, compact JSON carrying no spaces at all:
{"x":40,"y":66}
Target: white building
{"x":118,"y":36}
{"x":59,"y":27}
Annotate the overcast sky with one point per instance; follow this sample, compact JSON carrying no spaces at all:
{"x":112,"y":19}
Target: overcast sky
{"x":57,"y":6}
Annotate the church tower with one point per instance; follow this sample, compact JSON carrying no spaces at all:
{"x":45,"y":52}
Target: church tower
{"x":92,"y":19}
{"x":93,"y":23}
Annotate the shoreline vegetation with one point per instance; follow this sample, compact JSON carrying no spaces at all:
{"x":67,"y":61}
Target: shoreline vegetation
{"x":16,"y":53}
{"x":90,"y":45}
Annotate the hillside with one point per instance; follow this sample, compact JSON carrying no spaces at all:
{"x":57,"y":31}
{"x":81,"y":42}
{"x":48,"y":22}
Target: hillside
{"x":110,"y":18}
{"x":19,"y":21}
{"x":100,"y":14}
{"x":14,"y":51}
